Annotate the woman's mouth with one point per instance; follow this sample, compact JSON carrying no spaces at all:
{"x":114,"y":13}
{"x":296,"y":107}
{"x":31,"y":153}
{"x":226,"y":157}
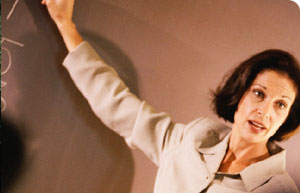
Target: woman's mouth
{"x":256,"y":127}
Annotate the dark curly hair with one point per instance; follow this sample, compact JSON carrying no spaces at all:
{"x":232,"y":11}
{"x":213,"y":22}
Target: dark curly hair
{"x":228,"y":95}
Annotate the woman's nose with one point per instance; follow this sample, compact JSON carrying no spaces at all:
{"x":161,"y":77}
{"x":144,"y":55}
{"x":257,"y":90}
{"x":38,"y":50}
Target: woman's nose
{"x":264,"y":110}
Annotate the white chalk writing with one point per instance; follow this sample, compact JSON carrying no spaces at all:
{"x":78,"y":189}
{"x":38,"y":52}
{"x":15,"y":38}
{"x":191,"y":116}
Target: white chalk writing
{"x":6,"y":66}
{"x":12,"y":10}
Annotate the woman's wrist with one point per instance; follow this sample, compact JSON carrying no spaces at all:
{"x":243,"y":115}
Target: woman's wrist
{"x":65,"y":25}
{"x":69,"y":32}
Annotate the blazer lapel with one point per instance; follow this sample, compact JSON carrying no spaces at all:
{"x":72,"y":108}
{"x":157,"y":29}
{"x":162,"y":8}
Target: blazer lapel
{"x":186,"y":172}
{"x":214,"y":155}
{"x":193,"y":168}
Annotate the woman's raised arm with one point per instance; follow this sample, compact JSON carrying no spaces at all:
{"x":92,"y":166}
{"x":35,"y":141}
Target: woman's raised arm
{"x":110,"y":99}
{"x":61,"y":12}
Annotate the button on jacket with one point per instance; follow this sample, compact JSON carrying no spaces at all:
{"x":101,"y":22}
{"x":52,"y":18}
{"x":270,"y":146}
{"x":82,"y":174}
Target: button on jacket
{"x":188,"y":156}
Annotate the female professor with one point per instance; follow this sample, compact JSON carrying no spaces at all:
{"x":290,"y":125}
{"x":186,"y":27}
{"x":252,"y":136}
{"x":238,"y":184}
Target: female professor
{"x":260,"y":97}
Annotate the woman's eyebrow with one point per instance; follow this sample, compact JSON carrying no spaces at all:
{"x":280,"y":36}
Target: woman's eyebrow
{"x":260,"y":86}
{"x":283,"y":96}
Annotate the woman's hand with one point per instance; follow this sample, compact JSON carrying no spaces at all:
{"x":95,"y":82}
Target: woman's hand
{"x":60,"y":10}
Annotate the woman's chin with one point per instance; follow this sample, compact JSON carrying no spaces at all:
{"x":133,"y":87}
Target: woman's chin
{"x":254,"y":136}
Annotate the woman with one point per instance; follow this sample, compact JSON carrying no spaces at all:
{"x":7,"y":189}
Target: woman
{"x":261,"y":98}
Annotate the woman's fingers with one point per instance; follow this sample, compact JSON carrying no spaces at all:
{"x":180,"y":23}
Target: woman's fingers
{"x":60,"y":10}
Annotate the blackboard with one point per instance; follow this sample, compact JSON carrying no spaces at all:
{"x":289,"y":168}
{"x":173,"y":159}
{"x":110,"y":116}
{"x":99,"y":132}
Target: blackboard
{"x":67,"y":149}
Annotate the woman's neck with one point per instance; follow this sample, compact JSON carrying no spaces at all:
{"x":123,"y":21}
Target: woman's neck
{"x":244,"y":150}
{"x":241,"y":154}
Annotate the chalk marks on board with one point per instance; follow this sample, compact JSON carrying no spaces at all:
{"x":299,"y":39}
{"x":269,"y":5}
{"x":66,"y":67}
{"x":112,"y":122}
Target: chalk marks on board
{"x":12,"y":9}
{"x":5,"y":51}
{"x":11,"y":41}
{"x":7,"y":65}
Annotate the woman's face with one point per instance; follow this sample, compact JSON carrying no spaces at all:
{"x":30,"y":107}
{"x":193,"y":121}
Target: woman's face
{"x":264,"y":106}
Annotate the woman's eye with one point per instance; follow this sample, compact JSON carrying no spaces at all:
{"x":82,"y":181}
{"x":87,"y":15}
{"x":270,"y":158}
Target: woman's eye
{"x":281,"y":105}
{"x":259,"y":94}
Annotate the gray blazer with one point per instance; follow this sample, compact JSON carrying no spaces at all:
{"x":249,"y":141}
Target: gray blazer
{"x":187,"y":155}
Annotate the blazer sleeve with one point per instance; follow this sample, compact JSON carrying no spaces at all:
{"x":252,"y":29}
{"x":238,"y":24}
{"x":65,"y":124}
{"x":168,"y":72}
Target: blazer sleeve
{"x":119,"y":109}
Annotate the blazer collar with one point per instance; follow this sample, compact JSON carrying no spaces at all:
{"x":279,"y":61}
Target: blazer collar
{"x":254,"y":175}
{"x":258,"y":173}
{"x":214,"y":155}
